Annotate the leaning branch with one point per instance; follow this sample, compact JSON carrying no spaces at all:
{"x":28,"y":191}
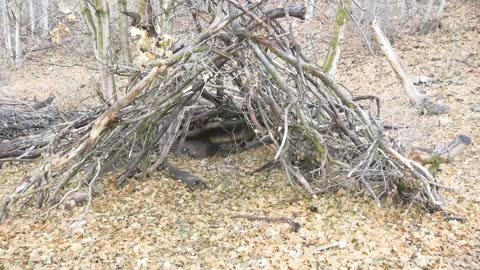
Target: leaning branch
{"x":420,"y":100}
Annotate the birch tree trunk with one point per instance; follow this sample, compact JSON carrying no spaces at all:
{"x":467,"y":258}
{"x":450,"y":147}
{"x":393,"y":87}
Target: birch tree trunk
{"x":165,"y":10}
{"x":124,"y":42}
{"x":44,"y":20}
{"x":18,"y":31}
{"x":97,"y":18}
{"x":341,"y":20}
{"x":6,"y":28}
{"x":31,"y":7}
{"x":310,"y":9}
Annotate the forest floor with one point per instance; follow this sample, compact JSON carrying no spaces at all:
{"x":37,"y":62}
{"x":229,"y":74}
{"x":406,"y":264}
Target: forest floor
{"x":159,"y":224}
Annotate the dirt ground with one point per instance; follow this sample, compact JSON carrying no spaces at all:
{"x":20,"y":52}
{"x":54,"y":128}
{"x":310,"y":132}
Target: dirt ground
{"x":159,"y":224}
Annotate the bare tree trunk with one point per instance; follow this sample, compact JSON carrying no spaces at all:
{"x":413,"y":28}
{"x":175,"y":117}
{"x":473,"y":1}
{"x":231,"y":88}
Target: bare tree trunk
{"x":31,"y":7}
{"x":428,"y":11}
{"x":98,"y":22}
{"x":164,"y":9}
{"x":441,"y":7}
{"x":124,"y":42}
{"x":6,"y":28}
{"x":432,"y":17}
{"x":44,"y":14}
{"x":18,"y":32}
{"x":310,"y":9}
{"x":341,"y":20}
{"x":142,"y":4}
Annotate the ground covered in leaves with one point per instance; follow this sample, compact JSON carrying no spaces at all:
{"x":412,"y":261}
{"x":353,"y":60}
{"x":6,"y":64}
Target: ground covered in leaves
{"x":159,"y":224}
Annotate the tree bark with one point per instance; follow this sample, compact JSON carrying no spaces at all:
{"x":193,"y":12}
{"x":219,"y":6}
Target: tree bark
{"x":432,"y":17}
{"x":18,"y":32}
{"x":164,"y":9}
{"x":31,"y":6}
{"x":44,"y":20}
{"x":310,"y":6}
{"x":341,"y":20}
{"x":98,"y":22}
{"x":124,"y":42}
{"x":6,"y":28}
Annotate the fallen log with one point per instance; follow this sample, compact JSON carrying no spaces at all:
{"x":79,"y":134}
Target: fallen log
{"x":436,"y":156}
{"x":420,"y":100}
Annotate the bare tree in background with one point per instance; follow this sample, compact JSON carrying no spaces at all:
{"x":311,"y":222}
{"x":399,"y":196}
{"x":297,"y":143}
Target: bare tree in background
{"x":310,"y":6}
{"x":18,"y":6}
{"x":165,"y":10}
{"x":97,"y":18}
{"x":432,"y":17}
{"x":38,"y":15}
{"x":6,"y":28}
{"x":31,"y":9}
{"x":44,"y":19}
{"x":124,"y":42}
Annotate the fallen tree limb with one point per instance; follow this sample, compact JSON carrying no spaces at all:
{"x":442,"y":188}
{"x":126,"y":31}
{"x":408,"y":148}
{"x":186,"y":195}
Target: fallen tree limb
{"x":420,"y":100}
{"x":190,"y":180}
{"x":436,"y":156}
{"x":293,"y":224}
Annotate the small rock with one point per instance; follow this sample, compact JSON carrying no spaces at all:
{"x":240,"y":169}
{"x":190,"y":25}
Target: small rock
{"x":444,"y":121}
{"x":79,"y":197}
{"x":238,"y":228}
{"x":270,"y":232}
{"x":421,"y":261}
{"x":457,"y":80}
{"x":78,"y":227}
{"x":262,"y":263}
{"x":475,"y":108}
{"x":421,"y":80}
{"x":136,"y":226}
{"x":143,"y":263}
{"x":167,"y":265}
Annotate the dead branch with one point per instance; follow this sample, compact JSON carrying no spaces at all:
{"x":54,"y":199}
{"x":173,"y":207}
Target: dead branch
{"x":420,"y":100}
{"x":293,"y":224}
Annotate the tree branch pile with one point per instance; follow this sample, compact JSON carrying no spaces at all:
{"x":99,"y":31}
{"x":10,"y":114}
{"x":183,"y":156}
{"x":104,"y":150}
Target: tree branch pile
{"x":242,"y":66}
{"x":28,"y":126}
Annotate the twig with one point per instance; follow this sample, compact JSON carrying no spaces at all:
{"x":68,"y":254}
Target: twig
{"x":294,"y":225}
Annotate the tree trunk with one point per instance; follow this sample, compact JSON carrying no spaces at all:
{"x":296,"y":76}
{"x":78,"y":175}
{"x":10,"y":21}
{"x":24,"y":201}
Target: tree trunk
{"x":98,"y":22}
{"x":44,"y":15}
{"x":330,"y":65}
{"x":31,"y":7}
{"x":310,"y":6}
{"x":6,"y":28}
{"x":18,"y":32}
{"x":141,"y":7}
{"x":164,"y":9}
{"x":432,"y":17}
{"x":124,"y":42}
